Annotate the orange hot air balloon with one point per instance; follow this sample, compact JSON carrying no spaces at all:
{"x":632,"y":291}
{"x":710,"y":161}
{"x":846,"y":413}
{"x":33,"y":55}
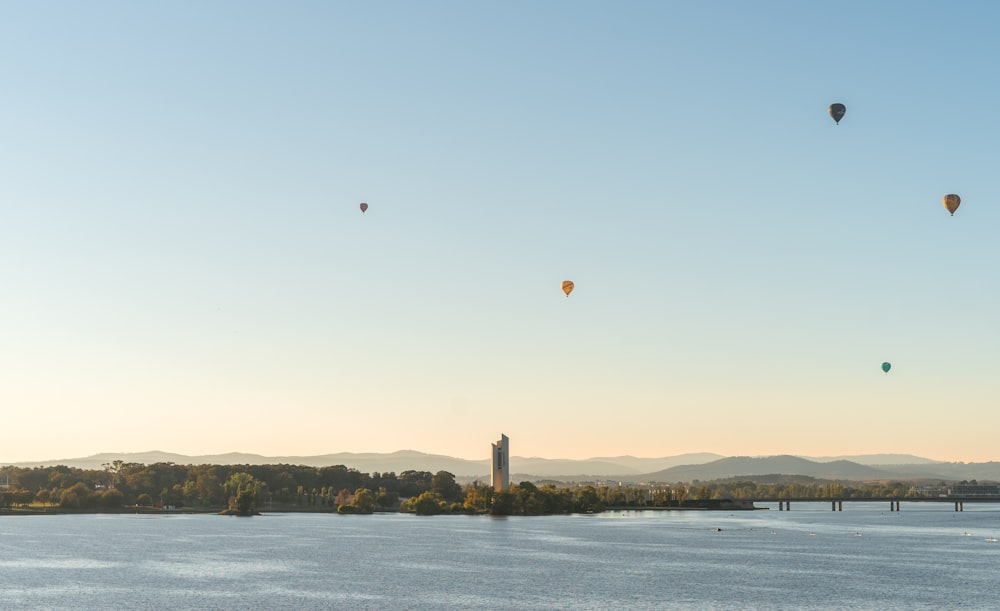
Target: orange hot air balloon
{"x":951,"y":202}
{"x":567,"y":287}
{"x":364,"y":207}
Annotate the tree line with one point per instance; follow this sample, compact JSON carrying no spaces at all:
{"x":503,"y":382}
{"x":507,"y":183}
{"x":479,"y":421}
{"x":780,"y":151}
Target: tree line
{"x":250,"y":488}
{"x":121,"y":484}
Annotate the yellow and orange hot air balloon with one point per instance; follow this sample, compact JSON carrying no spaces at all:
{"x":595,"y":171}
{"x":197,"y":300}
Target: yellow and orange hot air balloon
{"x":951,"y":202}
{"x":364,"y":207}
{"x":567,"y":287}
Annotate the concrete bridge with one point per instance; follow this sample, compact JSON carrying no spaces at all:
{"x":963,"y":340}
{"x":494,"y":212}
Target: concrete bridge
{"x":837,"y":504}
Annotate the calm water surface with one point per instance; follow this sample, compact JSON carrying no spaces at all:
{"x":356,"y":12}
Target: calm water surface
{"x":926,"y":556}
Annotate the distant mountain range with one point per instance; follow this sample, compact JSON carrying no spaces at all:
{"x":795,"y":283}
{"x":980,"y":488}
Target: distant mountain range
{"x":680,"y":468}
{"x":839,"y":469}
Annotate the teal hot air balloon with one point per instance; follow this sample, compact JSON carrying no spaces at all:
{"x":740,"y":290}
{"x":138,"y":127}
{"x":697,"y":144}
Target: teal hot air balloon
{"x":886,"y":367}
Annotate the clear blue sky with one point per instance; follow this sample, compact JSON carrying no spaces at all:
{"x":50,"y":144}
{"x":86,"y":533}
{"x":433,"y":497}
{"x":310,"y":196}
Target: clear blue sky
{"x":184,"y":266}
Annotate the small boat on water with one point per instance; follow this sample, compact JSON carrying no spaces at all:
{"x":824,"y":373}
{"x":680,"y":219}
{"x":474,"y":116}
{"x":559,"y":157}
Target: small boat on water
{"x":966,"y":533}
{"x":991,"y":538}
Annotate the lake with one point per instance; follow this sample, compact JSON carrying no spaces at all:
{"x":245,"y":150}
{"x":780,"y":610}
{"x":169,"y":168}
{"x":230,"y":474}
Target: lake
{"x":926,"y":556}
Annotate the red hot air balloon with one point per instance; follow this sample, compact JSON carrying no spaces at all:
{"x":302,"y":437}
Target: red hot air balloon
{"x":364,"y":207}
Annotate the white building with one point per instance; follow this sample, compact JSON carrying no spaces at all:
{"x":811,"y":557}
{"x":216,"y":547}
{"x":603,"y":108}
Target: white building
{"x":501,"y":464}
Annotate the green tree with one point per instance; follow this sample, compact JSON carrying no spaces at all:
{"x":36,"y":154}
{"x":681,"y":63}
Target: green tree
{"x":661,"y":496}
{"x":478,"y":498}
{"x":503,"y":503}
{"x":112,"y":499}
{"x":528,"y":500}
{"x":243,"y":489}
{"x":61,"y":476}
{"x":43,"y":496}
{"x":244,"y":503}
{"x":556,"y":500}
{"x":586,"y":500}
{"x":190,"y":492}
{"x":208,"y":483}
{"x":237,"y":482}
{"x":385,"y":499}
{"x":443,"y":483}
{"x":77,"y":496}
{"x":344,"y":498}
{"x":364,"y":501}
{"x":114,"y":469}
{"x":413,"y":483}
{"x":426,"y":504}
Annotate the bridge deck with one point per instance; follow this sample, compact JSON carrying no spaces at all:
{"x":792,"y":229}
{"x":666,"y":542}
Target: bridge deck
{"x":879,"y":499}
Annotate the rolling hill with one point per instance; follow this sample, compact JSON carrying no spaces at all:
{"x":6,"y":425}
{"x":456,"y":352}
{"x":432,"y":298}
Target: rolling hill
{"x":680,"y":468}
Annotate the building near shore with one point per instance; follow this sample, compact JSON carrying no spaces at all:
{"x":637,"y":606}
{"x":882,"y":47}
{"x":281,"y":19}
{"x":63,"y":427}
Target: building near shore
{"x":501,"y":464}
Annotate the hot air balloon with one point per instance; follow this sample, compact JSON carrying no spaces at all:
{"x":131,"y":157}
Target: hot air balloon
{"x":567,"y":287}
{"x":364,"y":207}
{"x":837,"y":111}
{"x":951,"y":202}
{"x":886,"y":367}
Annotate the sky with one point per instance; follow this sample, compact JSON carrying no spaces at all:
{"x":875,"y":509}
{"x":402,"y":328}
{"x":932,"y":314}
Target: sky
{"x":184,"y":266}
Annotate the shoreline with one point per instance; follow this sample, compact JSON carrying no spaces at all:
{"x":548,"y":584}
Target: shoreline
{"x":220,"y":511}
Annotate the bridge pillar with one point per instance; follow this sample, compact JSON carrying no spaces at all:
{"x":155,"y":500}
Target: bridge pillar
{"x":959,"y":506}
{"x":840,"y":505}
{"x":897,"y":505}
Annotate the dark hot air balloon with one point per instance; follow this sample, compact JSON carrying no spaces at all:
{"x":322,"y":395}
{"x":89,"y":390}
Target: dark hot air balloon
{"x":837,"y":111}
{"x":951,"y":202}
{"x":364,"y":207}
{"x":886,"y":367}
